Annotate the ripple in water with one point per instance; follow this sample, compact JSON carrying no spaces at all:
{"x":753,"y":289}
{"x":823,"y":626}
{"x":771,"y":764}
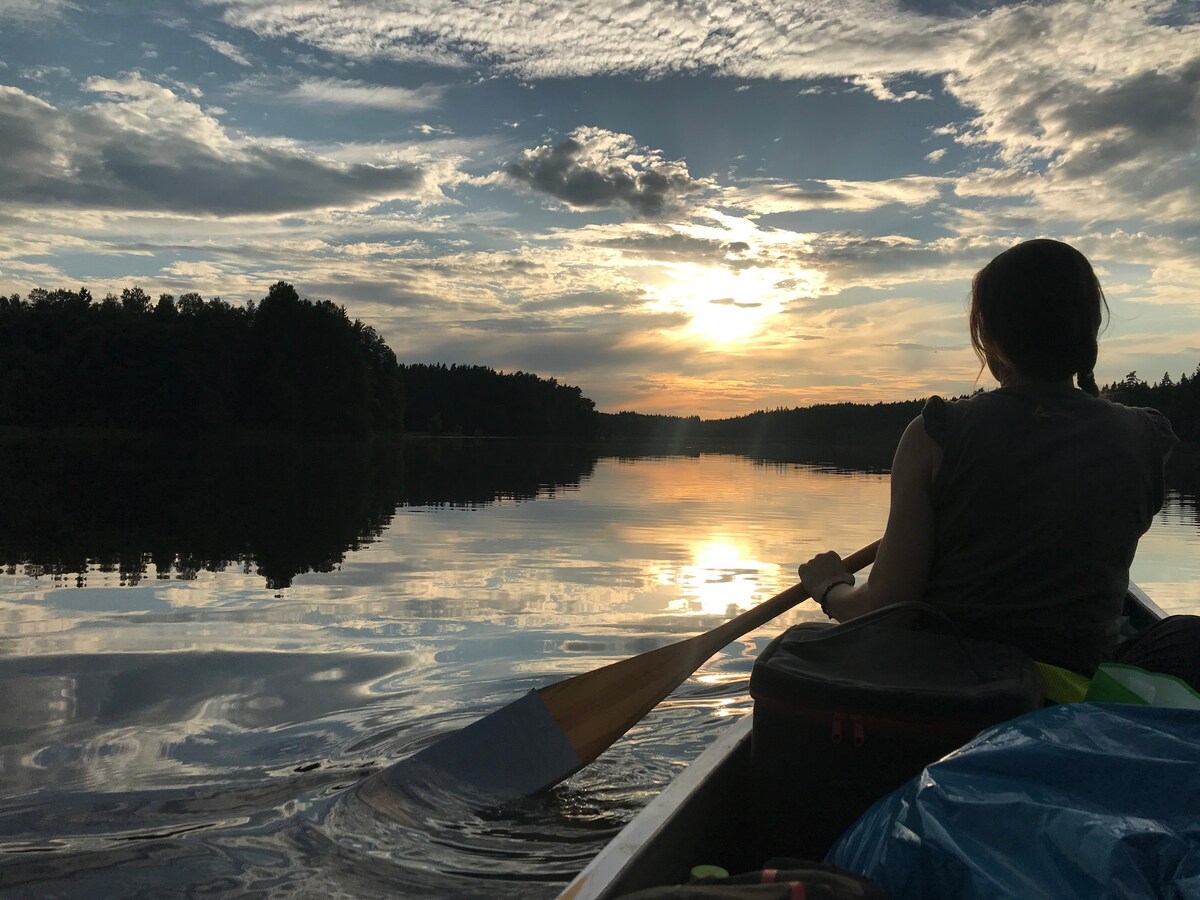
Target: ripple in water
{"x":311,"y":833}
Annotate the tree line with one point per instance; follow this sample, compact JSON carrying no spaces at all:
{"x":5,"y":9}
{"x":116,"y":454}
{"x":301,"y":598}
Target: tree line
{"x":477,"y":401}
{"x":845,"y":426}
{"x":1178,"y":400}
{"x":187,"y":365}
{"x":193,"y":366}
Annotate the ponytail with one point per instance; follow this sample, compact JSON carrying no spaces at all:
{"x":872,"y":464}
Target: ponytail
{"x":1087,"y":381}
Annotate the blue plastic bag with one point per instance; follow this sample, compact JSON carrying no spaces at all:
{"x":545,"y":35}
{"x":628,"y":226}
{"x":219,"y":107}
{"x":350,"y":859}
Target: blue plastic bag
{"x":1084,"y":800}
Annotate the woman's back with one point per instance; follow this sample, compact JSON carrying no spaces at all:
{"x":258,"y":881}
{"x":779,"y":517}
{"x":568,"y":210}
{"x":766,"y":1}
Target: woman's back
{"x":1019,"y":511}
{"x":1040,"y":499}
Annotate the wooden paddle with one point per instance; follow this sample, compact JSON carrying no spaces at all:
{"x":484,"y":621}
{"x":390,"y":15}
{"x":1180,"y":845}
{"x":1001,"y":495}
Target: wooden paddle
{"x":553,"y":732}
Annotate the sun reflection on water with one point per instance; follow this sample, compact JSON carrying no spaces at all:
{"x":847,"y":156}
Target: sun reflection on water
{"x":722,"y":578}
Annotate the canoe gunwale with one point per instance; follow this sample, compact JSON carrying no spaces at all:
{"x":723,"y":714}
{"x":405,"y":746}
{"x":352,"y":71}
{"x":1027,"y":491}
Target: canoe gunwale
{"x":622,"y":861}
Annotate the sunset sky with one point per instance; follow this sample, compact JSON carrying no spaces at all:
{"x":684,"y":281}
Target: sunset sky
{"x":684,"y":207}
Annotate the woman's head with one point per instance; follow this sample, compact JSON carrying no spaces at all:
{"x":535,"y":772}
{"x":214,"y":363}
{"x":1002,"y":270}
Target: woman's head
{"x":1036,"y":310}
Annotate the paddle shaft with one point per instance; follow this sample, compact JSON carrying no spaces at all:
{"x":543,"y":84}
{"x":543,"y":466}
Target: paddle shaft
{"x":595,"y":708}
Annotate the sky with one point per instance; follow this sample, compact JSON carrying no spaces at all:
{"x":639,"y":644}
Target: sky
{"x":699,"y":207}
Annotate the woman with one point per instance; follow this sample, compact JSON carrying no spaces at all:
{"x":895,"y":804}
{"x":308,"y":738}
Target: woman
{"x":1018,"y":511}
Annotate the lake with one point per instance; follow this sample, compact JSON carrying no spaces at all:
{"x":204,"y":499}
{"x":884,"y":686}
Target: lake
{"x":204,"y":648}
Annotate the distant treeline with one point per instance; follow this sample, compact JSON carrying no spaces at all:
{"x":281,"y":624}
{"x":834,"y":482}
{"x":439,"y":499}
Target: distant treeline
{"x":843,"y":427}
{"x":189,"y":365}
{"x":193,"y":366}
{"x":1178,"y":400}
{"x":840,"y":435}
{"x":476,"y":400}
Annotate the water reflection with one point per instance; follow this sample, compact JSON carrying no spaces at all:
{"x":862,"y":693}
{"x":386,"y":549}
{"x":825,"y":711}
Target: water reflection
{"x":325,"y":611}
{"x":721,"y":575}
{"x":175,"y":509}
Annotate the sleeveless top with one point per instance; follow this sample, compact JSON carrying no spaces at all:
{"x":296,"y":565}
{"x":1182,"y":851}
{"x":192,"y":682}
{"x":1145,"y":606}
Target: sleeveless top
{"x":1041,"y":497}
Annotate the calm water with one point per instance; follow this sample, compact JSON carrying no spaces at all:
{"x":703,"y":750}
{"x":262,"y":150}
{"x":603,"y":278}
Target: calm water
{"x":203,"y":649}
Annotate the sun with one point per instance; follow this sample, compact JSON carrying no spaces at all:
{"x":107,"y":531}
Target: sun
{"x":723,"y":305}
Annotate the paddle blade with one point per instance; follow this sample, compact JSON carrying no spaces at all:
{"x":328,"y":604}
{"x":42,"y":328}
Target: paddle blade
{"x":596,"y":708}
{"x":516,"y":751}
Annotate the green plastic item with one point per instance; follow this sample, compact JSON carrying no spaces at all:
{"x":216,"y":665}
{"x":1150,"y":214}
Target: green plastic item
{"x":1119,"y":683}
{"x":1062,"y":685}
{"x":709,"y":872}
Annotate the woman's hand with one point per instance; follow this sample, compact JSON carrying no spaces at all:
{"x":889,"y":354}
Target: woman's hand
{"x":821,"y":573}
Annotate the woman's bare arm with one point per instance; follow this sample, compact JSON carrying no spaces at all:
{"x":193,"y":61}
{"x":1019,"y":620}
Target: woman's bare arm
{"x":901,"y":570}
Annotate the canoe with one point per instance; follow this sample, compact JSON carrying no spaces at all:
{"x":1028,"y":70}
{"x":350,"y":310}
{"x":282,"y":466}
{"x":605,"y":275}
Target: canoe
{"x":703,"y":816}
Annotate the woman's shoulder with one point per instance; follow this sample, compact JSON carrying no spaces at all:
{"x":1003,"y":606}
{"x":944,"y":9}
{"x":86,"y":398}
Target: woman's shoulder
{"x":934,"y":416}
{"x":940,"y":414}
{"x":1153,"y":421}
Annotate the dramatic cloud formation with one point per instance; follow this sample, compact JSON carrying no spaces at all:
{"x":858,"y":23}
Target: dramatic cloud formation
{"x":595,"y":168}
{"x":1110,"y":127}
{"x":145,"y":148}
{"x":691,"y":207}
{"x":1034,"y":102}
{"x":572,"y":38}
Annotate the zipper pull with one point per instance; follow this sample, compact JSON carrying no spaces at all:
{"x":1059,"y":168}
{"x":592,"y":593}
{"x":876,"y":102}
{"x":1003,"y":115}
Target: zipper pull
{"x":835,"y":735}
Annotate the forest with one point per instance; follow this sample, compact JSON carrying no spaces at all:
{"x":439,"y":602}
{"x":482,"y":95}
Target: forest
{"x":1178,"y":400}
{"x":478,"y":401}
{"x":186,"y":365}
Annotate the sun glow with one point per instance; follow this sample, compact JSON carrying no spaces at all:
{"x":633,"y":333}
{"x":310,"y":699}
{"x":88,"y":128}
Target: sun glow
{"x":724,"y":305}
{"x":722,"y":576}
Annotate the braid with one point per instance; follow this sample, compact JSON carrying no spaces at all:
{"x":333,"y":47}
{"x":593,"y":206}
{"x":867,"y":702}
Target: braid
{"x":1087,"y":381}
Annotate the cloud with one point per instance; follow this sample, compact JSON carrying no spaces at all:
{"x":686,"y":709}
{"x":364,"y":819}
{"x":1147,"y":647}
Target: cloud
{"x":590,"y":300}
{"x":569,"y":38}
{"x":1096,"y":98}
{"x":927,"y":348}
{"x":144,"y":148}
{"x":44,"y":73}
{"x":1111,"y":127}
{"x":225,"y":48}
{"x":29,"y":10}
{"x":1070,"y":118}
{"x":595,"y":169}
{"x":875,"y":86}
{"x":773,"y":196}
{"x":670,"y":244}
{"x":335,"y":92}
{"x":740,"y":304}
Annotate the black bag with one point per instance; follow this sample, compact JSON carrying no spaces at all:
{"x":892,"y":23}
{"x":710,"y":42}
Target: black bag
{"x":844,"y":714}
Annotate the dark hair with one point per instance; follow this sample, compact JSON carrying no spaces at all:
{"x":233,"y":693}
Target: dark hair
{"x":1037,"y":309}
